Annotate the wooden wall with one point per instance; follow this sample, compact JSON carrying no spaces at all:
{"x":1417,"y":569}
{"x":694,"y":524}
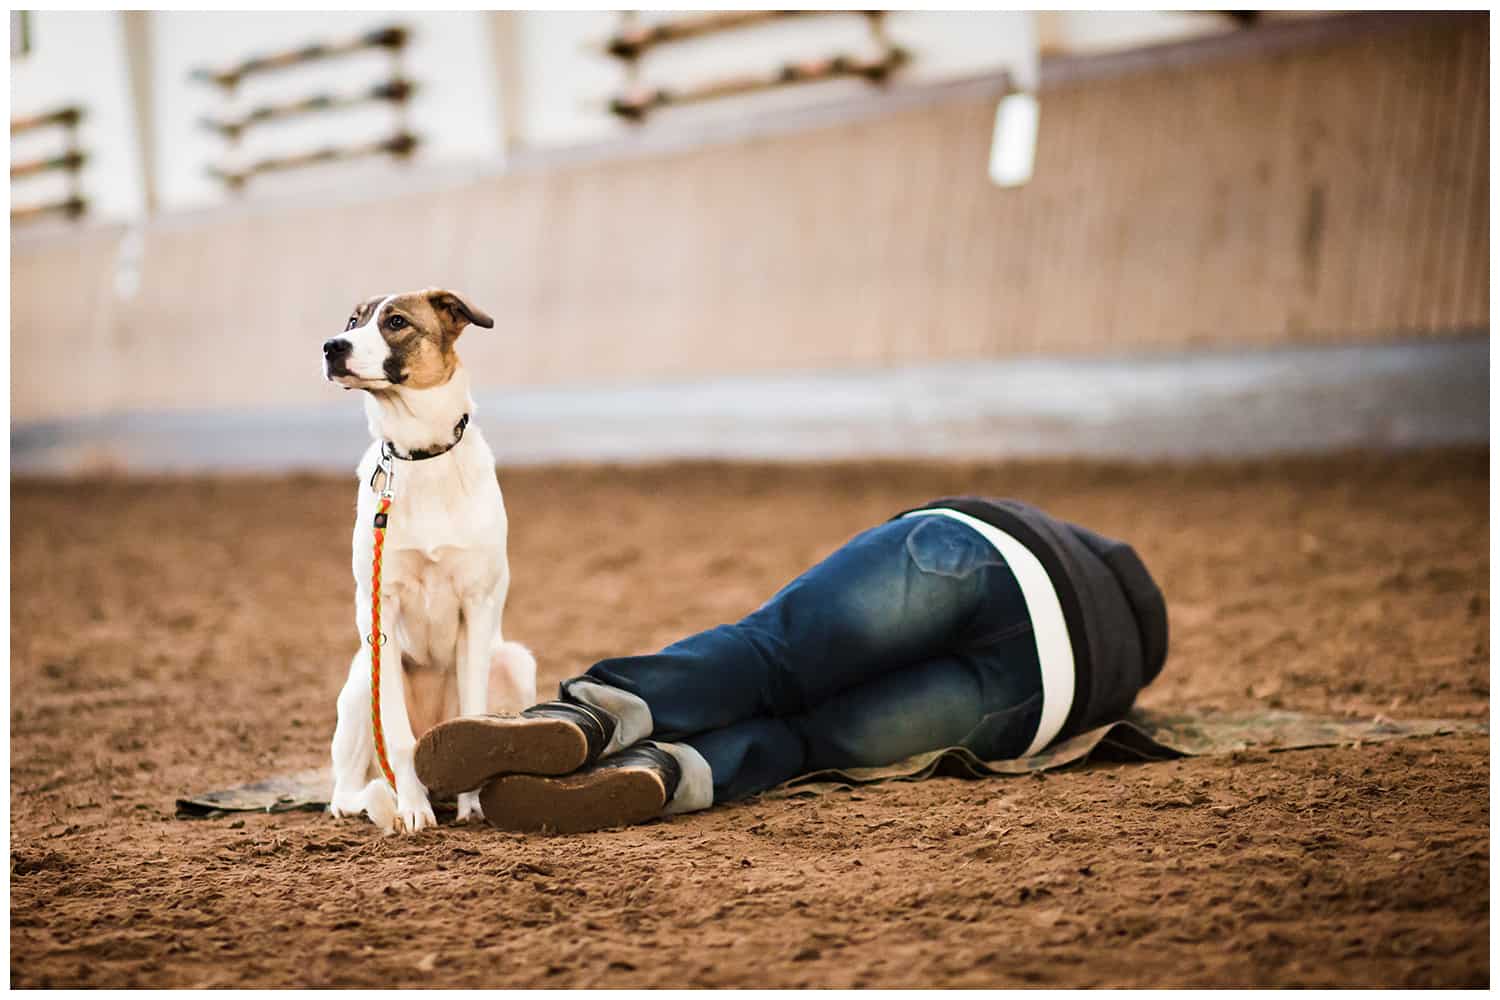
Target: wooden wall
{"x":1337,"y":192}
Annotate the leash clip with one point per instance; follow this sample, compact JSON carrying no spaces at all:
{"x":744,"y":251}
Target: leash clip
{"x":385,"y":471}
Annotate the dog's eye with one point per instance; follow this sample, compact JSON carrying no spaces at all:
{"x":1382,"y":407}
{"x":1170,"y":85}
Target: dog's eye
{"x":352,"y":320}
{"x":395,"y":322}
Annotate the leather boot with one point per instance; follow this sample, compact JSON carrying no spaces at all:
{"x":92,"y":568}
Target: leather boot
{"x":555,"y":737}
{"x":628,"y":787}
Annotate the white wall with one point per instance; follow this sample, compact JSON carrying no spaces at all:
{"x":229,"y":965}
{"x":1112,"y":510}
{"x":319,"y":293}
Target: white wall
{"x":79,"y":58}
{"x":965,"y":43}
{"x":1083,"y":32}
{"x":454,"y":112}
{"x":564,"y":78}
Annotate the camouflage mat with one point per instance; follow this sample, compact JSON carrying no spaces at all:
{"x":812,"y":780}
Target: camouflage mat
{"x":1143,"y":736}
{"x":1146,"y":736}
{"x":303,"y":791}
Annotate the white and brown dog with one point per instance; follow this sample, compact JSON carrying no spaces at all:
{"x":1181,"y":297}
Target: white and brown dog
{"x":444,"y":571}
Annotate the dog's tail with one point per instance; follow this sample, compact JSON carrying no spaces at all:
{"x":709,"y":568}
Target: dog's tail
{"x":512,"y":678}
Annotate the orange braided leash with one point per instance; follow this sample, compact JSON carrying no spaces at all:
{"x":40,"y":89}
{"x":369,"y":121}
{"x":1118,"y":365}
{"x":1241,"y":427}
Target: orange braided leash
{"x":376,"y":637}
{"x":386,"y":471}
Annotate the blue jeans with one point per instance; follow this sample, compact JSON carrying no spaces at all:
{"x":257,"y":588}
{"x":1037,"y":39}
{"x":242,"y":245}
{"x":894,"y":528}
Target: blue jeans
{"x":913,"y":636}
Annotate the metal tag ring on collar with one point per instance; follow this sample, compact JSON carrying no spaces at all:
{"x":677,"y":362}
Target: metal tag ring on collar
{"x":371,"y":640}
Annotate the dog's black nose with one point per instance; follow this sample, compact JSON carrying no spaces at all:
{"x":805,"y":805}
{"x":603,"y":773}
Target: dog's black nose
{"x":336,"y":347}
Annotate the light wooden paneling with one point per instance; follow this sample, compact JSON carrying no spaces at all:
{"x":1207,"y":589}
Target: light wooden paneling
{"x":1334,"y":193}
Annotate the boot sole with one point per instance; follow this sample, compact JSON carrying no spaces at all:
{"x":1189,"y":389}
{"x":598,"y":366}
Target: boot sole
{"x":461,"y":754}
{"x":578,"y":803}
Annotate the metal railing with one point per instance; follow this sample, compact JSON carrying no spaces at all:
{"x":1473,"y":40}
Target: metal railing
{"x":635,"y":105}
{"x":392,"y":38}
{"x":633,"y":42}
{"x":396,"y":91}
{"x":402,"y":144}
{"x":72,"y":160}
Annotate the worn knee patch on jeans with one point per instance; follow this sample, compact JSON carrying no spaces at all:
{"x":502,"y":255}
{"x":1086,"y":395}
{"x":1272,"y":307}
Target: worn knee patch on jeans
{"x":631,"y":714}
{"x":946,"y":547}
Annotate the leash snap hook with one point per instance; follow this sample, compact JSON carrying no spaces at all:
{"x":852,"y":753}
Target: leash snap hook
{"x":385,"y":472}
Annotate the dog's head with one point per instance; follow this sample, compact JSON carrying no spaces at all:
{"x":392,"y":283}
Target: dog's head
{"x":405,"y":340}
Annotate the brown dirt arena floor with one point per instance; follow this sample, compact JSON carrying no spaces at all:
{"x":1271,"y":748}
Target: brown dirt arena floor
{"x":175,"y":635}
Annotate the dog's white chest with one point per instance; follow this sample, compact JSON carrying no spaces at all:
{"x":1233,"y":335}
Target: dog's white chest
{"x":445,"y":544}
{"x":451,"y":501}
{"x":429,"y":595}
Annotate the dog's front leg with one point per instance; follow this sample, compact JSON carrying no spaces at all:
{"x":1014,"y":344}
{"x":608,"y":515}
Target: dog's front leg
{"x":353,"y":753}
{"x":481,"y":623}
{"x":413,"y":810}
{"x":351,"y":739}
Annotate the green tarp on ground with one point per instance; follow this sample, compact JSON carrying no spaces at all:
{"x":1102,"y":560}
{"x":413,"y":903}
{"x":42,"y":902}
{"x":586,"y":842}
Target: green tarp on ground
{"x":1143,"y":736}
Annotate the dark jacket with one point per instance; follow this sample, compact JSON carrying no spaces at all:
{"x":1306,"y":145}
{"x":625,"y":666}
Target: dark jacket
{"x":1116,"y":616}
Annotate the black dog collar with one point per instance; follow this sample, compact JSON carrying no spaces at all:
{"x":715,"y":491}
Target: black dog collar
{"x":388,"y":450}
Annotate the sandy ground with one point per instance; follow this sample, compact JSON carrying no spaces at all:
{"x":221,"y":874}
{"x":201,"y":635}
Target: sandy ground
{"x":176,"y":635}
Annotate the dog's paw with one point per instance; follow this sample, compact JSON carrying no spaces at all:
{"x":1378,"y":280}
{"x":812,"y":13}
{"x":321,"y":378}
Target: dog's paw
{"x":380,"y":806}
{"x":346,"y":801}
{"x":469,"y":808}
{"x":414,"y":816}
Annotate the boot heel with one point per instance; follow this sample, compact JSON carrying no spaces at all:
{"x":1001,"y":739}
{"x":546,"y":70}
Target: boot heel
{"x":579,"y":803}
{"x":461,"y":754}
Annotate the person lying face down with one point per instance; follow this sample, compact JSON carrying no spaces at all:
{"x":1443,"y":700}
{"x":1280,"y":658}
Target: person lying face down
{"x":986,"y":624}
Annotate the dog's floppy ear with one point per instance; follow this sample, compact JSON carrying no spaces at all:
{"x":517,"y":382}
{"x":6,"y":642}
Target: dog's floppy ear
{"x":458,"y":308}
